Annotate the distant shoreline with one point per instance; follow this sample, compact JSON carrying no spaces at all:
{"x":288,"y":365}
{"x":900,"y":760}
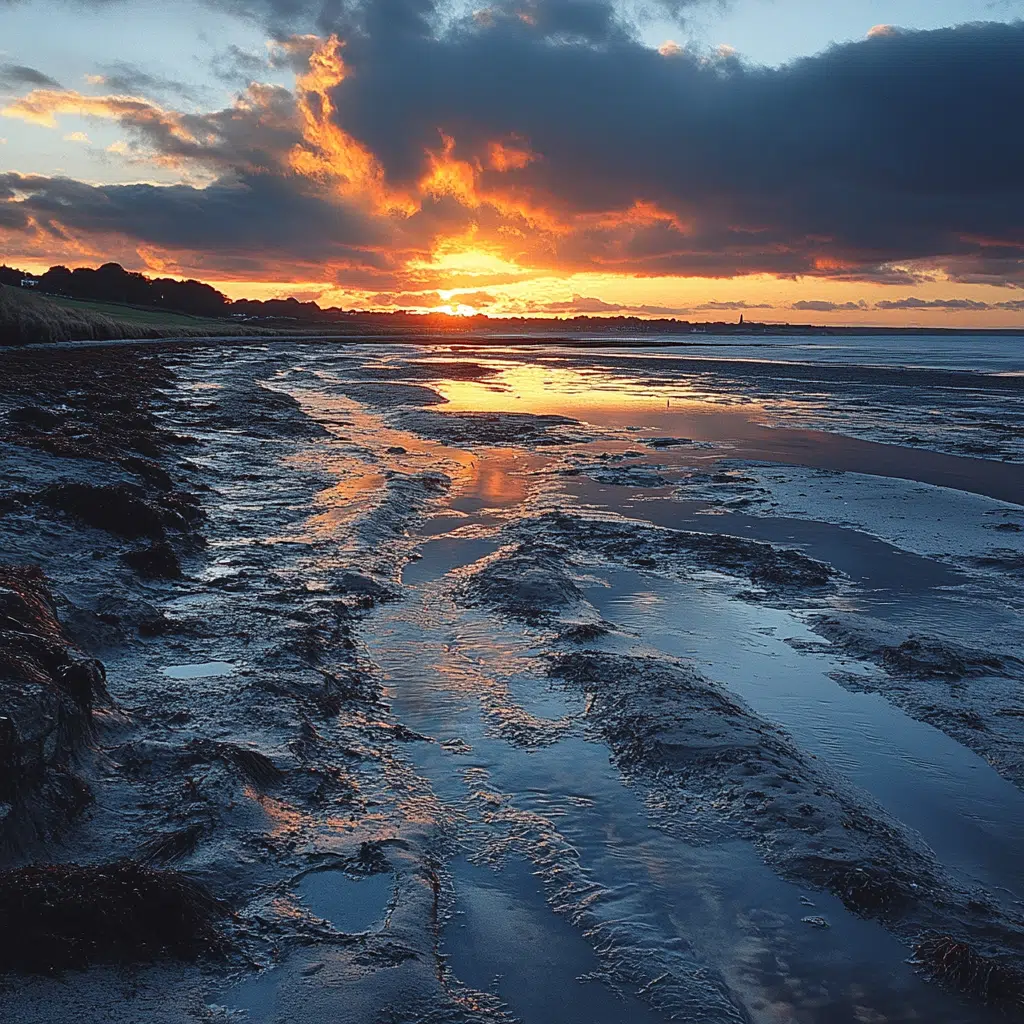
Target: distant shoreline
{"x":534,"y":340}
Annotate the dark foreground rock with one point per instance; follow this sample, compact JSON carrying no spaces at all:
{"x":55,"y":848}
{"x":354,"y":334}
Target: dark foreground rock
{"x":124,"y":509}
{"x":484,"y":429}
{"x":155,"y":561}
{"x":47,"y":693}
{"x":526,"y":581}
{"x":95,"y":404}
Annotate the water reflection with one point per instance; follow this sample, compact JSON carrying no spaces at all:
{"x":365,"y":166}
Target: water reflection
{"x":596,"y":395}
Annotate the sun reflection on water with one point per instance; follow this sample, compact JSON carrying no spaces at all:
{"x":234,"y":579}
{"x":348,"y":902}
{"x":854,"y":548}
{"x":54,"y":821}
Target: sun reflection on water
{"x":543,"y":388}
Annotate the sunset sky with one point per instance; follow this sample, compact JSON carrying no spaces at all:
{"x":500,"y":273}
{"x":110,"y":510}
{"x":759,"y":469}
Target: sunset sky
{"x":793,"y":160}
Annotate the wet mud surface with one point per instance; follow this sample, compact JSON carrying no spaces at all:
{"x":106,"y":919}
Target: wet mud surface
{"x":395,"y":684}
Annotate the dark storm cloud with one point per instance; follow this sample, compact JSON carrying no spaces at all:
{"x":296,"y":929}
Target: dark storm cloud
{"x":263,"y":215}
{"x":879,"y":161}
{"x":18,"y":76}
{"x":13,"y":217}
{"x":900,"y":147}
{"x":592,"y":20}
{"x":998,"y":268}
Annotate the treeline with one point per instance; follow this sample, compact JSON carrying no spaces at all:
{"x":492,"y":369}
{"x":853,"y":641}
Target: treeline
{"x":112,"y":283}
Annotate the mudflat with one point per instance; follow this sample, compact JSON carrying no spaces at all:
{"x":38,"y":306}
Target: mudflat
{"x":480,"y":683}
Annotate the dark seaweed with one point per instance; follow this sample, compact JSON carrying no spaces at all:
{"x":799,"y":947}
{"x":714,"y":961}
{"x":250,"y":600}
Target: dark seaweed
{"x":60,"y":916}
{"x":957,"y":965}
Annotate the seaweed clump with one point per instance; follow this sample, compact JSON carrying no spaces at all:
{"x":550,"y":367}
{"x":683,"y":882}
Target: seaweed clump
{"x":47,"y":694}
{"x":63,"y":916}
{"x":925,"y":658}
{"x":174,"y":845}
{"x":959,"y":966}
{"x":124,"y":509}
{"x":252,"y":765}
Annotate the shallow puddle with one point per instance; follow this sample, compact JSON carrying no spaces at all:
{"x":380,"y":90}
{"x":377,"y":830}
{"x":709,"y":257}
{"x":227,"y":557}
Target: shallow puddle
{"x":256,"y":998}
{"x":503,"y":938}
{"x":970,"y":816}
{"x":201,"y":670}
{"x":351,"y":904}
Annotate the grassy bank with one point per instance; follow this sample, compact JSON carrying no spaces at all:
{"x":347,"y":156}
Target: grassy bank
{"x":27,"y":318}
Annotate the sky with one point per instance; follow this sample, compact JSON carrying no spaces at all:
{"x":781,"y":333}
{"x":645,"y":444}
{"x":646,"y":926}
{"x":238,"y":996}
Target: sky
{"x":787,"y":160}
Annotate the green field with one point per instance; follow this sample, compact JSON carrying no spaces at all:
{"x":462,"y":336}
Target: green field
{"x":28,"y":318}
{"x":157,"y":318}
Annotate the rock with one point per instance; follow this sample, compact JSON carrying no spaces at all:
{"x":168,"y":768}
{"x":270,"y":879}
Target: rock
{"x":667,"y":442}
{"x":156,"y":561}
{"x":121,"y":509}
{"x":47,"y":694}
{"x":35,"y":416}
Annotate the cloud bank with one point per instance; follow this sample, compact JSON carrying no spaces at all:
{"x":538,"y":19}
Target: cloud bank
{"x":547,"y":136}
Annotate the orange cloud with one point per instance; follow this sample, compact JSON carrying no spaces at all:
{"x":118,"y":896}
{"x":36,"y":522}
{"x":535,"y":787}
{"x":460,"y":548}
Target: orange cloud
{"x":331,"y":155}
{"x":292,"y":193}
{"x":497,"y":220}
{"x":509,"y":157}
{"x":327,"y":152}
{"x":41,"y":106}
